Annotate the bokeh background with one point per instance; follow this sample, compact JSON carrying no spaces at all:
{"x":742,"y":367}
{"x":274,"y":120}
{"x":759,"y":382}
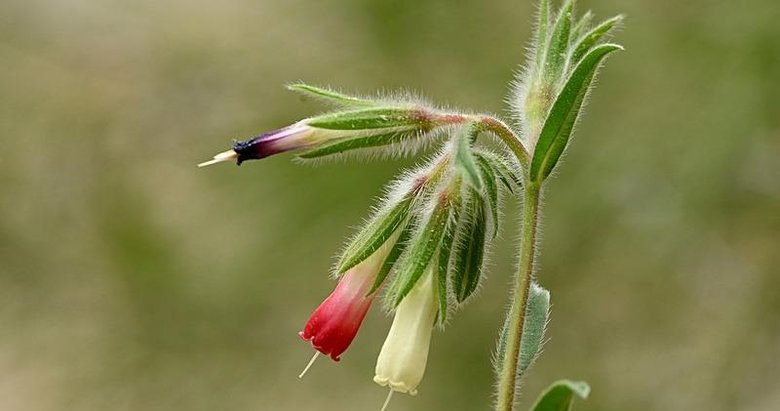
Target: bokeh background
{"x":131,"y":280}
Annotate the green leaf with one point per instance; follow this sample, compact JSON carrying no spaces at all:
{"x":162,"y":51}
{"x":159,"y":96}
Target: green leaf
{"x":464,"y":159}
{"x":370,"y":118}
{"x":356,"y":143}
{"x":375,"y":234}
{"x":558,"y":45}
{"x":329,"y":96}
{"x":491,"y":190}
{"x":470,"y":249}
{"x":560,"y":121}
{"x":421,"y":250}
{"x":536,"y":315}
{"x":589,"y":39}
{"x":392,"y":257}
{"x":542,"y":27}
{"x":582,"y":26}
{"x":560,"y":395}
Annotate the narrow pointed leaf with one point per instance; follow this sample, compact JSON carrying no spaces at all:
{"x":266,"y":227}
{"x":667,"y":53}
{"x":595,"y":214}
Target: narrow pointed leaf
{"x":464,"y":158}
{"x":421,"y":251}
{"x":558,"y":45}
{"x":582,"y":26}
{"x":560,"y":121}
{"x":560,"y":395}
{"x":537,"y":313}
{"x":361,"y":142}
{"x":536,"y":316}
{"x":542,"y":29}
{"x":589,"y":39}
{"x":374,"y":234}
{"x":470,"y":250}
{"x":370,"y":118}
{"x":329,"y":96}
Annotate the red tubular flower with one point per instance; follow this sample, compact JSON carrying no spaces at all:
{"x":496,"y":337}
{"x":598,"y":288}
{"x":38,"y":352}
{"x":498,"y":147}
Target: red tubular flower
{"x":334,"y":324}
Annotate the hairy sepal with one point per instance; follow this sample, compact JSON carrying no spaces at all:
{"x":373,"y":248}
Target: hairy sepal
{"x":421,"y":250}
{"x":378,"y":231}
{"x":467,"y":263}
{"x":502,"y":167}
{"x":490,"y":193}
{"x":443,"y":259}
{"x":465,"y":161}
{"x":330,"y":96}
{"x":394,"y":138}
{"x":372,"y":118}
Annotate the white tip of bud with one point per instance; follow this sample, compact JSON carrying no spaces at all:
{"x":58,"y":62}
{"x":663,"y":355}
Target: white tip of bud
{"x":311,"y":362}
{"x":229,"y":155}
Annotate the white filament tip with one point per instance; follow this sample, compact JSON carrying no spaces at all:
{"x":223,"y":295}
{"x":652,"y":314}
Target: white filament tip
{"x":229,"y":155}
{"x":311,"y":362}
{"x":387,"y":400}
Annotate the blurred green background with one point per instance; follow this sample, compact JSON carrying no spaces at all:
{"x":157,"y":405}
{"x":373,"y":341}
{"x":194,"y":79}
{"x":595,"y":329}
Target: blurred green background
{"x":131,"y":280}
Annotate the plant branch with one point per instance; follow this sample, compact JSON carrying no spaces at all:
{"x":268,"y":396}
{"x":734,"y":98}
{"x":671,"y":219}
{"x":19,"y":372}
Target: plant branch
{"x":507,"y":377}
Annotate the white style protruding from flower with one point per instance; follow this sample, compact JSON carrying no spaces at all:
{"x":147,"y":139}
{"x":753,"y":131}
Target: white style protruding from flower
{"x":401,"y":363}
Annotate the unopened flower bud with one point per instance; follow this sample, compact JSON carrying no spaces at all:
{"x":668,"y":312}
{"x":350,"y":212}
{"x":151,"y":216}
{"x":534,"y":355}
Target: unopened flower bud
{"x":401,"y":363}
{"x":334,"y":324}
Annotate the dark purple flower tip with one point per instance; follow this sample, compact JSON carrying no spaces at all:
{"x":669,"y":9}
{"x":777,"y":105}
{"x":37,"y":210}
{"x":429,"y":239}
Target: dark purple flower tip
{"x":248,"y":150}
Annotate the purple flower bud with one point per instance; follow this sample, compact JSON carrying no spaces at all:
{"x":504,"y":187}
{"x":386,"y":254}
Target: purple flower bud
{"x":296,"y":136}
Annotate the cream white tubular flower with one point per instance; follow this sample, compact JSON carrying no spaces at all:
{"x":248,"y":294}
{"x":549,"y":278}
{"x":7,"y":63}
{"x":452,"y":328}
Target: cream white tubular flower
{"x":401,"y":363}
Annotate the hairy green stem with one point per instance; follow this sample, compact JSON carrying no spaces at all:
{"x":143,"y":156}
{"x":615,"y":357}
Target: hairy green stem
{"x":507,"y":378}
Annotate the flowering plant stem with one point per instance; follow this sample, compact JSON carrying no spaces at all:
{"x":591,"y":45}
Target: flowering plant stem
{"x":508,"y":376}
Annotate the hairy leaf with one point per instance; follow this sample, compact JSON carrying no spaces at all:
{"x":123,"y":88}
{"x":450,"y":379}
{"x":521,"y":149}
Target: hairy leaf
{"x":589,"y":39}
{"x":560,"y":395}
{"x":542,"y":29}
{"x":582,"y":26}
{"x":536,"y":315}
{"x":329,"y":96}
{"x":560,"y":121}
{"x":558,"y":45}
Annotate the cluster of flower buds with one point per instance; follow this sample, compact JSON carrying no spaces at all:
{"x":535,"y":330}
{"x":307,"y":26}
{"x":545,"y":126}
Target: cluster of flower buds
{"x":426,"y":242}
